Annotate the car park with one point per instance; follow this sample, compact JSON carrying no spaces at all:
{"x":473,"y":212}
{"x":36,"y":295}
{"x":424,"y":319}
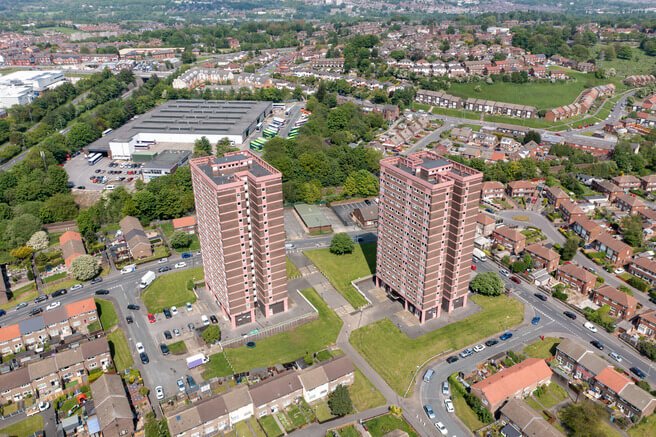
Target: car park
{"x":53,"y":305}
{"x":167,"y":313}
{"x":164,"y":348}
{"x":441,"y":428}
{"x":167,"y":335}
{"x":506,"y":336}
{"x":102,"y":292}
{"x":163,"y":269}
{"x":449,"y":406}
{"x":213,"y":319}
{"x":617,"y":357}
{"x":21,"y":305}
{"x":637,"y":372}
{"x":134,"y":307}
{"x":189,"y":307}
{"x":452,"y":359}
{"x":159,"y":392}
{"x":181,"y":385}
{"x":535,"y":320}
{"x":40,"y":299}
{"x":479,"y":348}
{"x":429,"y":411}
{"x":140,"y":347}
{"x":59,"y":292}
{"x":541,"y":296}
{"x":599,"y":345}
{"x":466,"y":353}
{"x":76,"y":287}
{"x":129,"y":320}
{"x":491,"y":342}
{"x":151,"y":318}
{"x":570,"y":314}
{"x":445,"y":388}
{"x":144,"y":358}
{"x":590,"y":327}
{"x":180,"y":265}
{"x":174,"y":311}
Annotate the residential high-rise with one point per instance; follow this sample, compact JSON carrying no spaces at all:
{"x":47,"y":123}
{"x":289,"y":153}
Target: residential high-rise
{"x":242,"y":236}
{"x":426,"y":226}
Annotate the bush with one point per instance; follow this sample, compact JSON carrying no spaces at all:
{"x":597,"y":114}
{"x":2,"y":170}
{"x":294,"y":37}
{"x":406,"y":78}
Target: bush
{"x":600,"y":317}
{"x":476,"y":405}
{"x":341,"y":244}
{"x":211,"y":334}
{"x":340,"y":402}
{"x":180,"y":240}
{"x":648,"y":349}
{"x":638,"y":283}
{"x":487,"y":284}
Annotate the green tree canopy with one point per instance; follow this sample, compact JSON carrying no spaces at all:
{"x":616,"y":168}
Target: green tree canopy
{"x":361,"y":183}
{"x":341,"y":244}
{"x":340,"y":402}
{"x":84,"y":267}
{"x":487,"y":284}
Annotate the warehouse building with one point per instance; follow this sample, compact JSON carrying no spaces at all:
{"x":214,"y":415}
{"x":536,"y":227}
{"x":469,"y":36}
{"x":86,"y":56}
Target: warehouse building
{"x":184,"y":121}
{"x":165,"y":163}
{"x":21,"y":87}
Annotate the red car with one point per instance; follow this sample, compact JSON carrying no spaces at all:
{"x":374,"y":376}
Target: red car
{"x":473,"y":267}
{"x":151,"y":318}
{"x":515,"y":279}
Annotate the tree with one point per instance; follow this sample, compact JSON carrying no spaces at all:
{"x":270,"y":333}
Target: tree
{"x":624,"y":52}
{"x":224,"y":146}
{"x":569,"y":249}
{"x":202,"y":147}
{"x":59,"y":208}
{"x":22,"y":252}
{"x":211,"y":334}
{"x":583,"y":419}
{"x":648,"y":349}
{"x":632,"y":230}
{"x":487,"y":284}
{"x":180,"y":240}
{"x":310,"y":192}
{"x":21,"y":228}
{"x":84,"y":267}
{"x":532,"y":136}
{"x":340,"y":402}
{"x":81,"y":134}
{"x":38,"y":241}
{"x":341,"y":244}
{"x":361,"y":183}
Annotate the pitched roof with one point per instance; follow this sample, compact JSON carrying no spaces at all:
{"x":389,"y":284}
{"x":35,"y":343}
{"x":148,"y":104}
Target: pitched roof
{"x":593,"y":363}
{"x":33,"y":324}
{"x":68,"y":236}
{"x":275,"y":388}
{"x":72,"y":246}
{"x":68,"y":358}
{"x":484,"y":219}
{"x":9,"y":332}
{"x":338,"y":368}
{"x":369,"y":212}
{"x":558,"y":193}
{"x":626,"y":179}
{"x":55,"y":316}
{"x":94,"y":348}
{"x":607,"y":240}
{"x":648,"y":316}
{"x":588,"y":225}
{"x":184,"y":222}
{"x":577,"y":272}
{"x":237,"y":398}
{"x":572,"y":349}
{"x":615,"y":295}
{"x":110,"y":399}
{"x":492,"y":185}
{"x":313,"y":377}
{"x":637,"y":397}
{"x":543,"y":252}
{"x":613,"y":379}
{"x":631,"y":200}
{"x":17,"y":378}
{"x":529,"y":421}
{"x":514,"y":185}
{"x":507,"y":382}
{"x":42,"y":368}
{"x":80,"y":307}
{"x":510,"y":233}
{"x":212,"y":408}
{"x":184,"y":420}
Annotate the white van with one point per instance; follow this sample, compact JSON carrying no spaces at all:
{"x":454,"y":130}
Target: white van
{"x":428,"y":375}
{"x":110,"y":187}
{"x":205,"y":320}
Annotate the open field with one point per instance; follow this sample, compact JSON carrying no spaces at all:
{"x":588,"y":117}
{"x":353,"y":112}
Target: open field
{"x":342,"y":269}
{"x":25,"y":427}
{"x":382,"y":425}
{"x":280,"y":348}
{"x":171,"y":290}
{"x":542,"y":348}
{"x":118,"y":346}
{"x":363,"y":393}
{"x":107,"y":313}
{"x":395,"y":356}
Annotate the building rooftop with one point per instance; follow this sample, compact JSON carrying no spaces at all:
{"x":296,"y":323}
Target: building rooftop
{"x":227,"y":169}
{"x":168,"y":159}
{"x":311,"y":215}
{"x":613,"y":379}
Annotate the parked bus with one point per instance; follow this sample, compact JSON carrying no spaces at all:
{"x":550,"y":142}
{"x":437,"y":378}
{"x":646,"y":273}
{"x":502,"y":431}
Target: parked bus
{"x":257,"y":144}
{"x":278,"y":106}
{"x":278,"y":121}
{"x":94,"y":158}
{"x":269,"y":133}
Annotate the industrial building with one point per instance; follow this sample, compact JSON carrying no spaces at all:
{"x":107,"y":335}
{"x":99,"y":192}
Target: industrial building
{"x":164,"y":163}
{"x":240,"y":225}
{"x":426,"y":228}
{"x":184,"y":121}
{"x":21,"y":87}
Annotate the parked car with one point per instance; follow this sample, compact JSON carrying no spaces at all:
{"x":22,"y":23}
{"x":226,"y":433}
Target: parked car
{"x":491,"y":342}
{"x":163,"y":269}
{"x":151,"y":318}
{"x":541,"y":296}
{"x":441,"y":428}
{"x":466,"y":353}
{"x":21,"y":305}
{"x":164,"y":348}
{"x":174,"y":310}
{"x":167,"y":335}
{"x":205,"y":320}
{"x":129,"y":320}
{"x":213,"y":319}
{"x":40,"y":299}
{"x":76,"y":287}
{"x":134,"y":307}
{"x":617,"y":357}
{"x":144,"y":358}
{"x":445,"y":388}
{"x":637,"y":372}
{"x":515,"y":279}
{"x":429,"y":411}
{"x":36,"y":311}
{"x":506,"y":336}
{"x":189,"y":307}
{"x":180,"y":383}
{"x":102,"y":292}
{"x":2,"y":312}
{"x":53,"y":305}
{"x":59,"y":292}
{"x":473,"y":267}
{"x":504,"y":272}
{"x":159,"y":391}
{"x":535,"y":320}
{"x":140,"y":347}
{"x":599,"y":345}
{"x":186,"y":255}
{"x":176,"y":332}
{"x":452,"y":359}
{"x":43,"y":406}
{"x":162,"y":260}
{"x":570,"y":314}
{"x":167,"y":313}
{"x":479,"y":347}
{"x":96,"y":280}
{"x":590,"y":327}
{"x":180,"y":265}
{"x":449,"y":406}
{"x":191,"y":383}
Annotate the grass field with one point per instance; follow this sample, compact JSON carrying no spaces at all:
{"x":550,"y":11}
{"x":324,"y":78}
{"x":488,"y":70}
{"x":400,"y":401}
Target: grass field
{"x":363,"y":393}
{"x":25,"y":427}
{"x":118,"y":346}
{"x":463,"y":411}
{"x":645,"y":427}
{"x":322,"y":411}
{"x":292,"y":271}
{"x":552,"y":396}
{"x":23,"y":294}
{"x":542,"y":348}
{"x":348,"y":431}
{"x":395,"y":356}
{"x":171,"y":289}
{"x":342,"y":269}
{"x":382,"y":425}
{"x":178,"y":348}
{"x":280,"y":348}
{"x":68,"y":283}
{"x":271,"y":428}
{"x":107,"y":313}
{"x":640,"y":64}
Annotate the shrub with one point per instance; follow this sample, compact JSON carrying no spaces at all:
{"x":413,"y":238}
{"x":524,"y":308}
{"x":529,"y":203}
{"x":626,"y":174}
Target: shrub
{"x":341,"y":244}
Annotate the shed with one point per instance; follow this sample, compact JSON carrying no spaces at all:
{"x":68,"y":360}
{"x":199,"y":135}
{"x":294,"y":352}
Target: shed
{"x":313,"y":218}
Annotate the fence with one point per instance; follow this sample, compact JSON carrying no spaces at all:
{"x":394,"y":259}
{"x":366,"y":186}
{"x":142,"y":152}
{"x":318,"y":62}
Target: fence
{"x":270,"y":330}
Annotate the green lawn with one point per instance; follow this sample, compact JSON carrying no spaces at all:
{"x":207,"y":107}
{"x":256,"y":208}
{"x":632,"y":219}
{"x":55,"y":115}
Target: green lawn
{"x":542,"y":348}
{"x":107,"y":313}
{"x":285,"y":421}
{"x":348,"y":431}
{"x":25,"y":427}
{"x":280,"y":348}
{"x":322,"y":411}
{"x":118,"y":346}
{"x":271,"y":428}
{"x":463,"y":410}
{"x":342,"y":269}
{"x":292,"y":271}
{"x":395,"y":356}
{"x":178,"y":348}
{"x":363,"y":393}
{"x":296,"y":416}
{"x":171,"y":289}
{"x":241,"y":428}
{"x":381,"y":425}
{"x":68,"y":283}
{"x":55,"y":277}
{"x":552,"y":396}
{"x":645,"y":427}
{"x":23,"y":294}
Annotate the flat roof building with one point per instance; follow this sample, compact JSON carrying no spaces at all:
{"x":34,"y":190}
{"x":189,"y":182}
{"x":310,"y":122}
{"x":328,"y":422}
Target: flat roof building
{"x":185,"y":121}
{"x":239,"y":217}
{"x":426,"y":229}
{"x":164,"y":163}
{"x":313,"y":218}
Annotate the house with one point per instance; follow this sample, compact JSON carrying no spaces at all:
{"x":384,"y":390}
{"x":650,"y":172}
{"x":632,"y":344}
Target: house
{"x":525,"y":420}
{"x":617,"y":388}
{"x":586,"y":229}
{"x":576,"y":277}
{"x":570,"y":211}
{"x":626,"y":182}
{"x":239,"y":404}
{"x":577,"y":360}
{"x":648,"y":183}
{"x":485,"y":225}
{"x":608,"y":188}
{"x":185,"y":224}
{"x":275,"y":394}
{"x":367,"y":216}
{"x":135,"y":237}
{"x":622,"y":305}
{"x":644,"y":268}
{"x":11,"y":340}
{"x":72,"y":246}
{"x":646,"y":323}
{"x":555,"y":195}
{"x":543,"y":257}
{"x":492,"y":190}
{"x":511,"y":239}
{"x":81,"y":314}
{"x":206,"y":417}
{"x":517,"y":381}
{"x":45,"y":377}
{"x":112,"y":406}
{"x":521,"y":189}
{"x":628,"y":202}
{"x":617,"y":252}
{"x":315,"y":384}
{"x":461,"y":134}
{"x":16,"y":385}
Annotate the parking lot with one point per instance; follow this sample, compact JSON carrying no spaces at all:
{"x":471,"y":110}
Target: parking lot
{"x":80,"y":173}
{"x":344,"y":210}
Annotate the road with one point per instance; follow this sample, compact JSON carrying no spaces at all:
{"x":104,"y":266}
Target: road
{"x":292,"y":118}
{"x":431,"y":137}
